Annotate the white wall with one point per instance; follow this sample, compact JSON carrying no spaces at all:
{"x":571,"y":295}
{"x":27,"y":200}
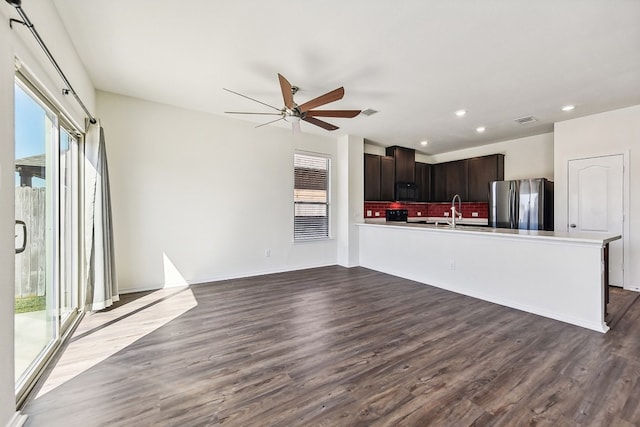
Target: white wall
{"x":203,"y":196}
{"x":374,"y":149}
{"x":613,"y":132}
{"x":351,"y":197}
{"x":20,"y":43}
{"x":530,"y":157}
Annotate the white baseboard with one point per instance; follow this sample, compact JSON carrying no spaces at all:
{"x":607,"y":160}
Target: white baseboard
{"x":17,"y":420}
{"x":201,"y":281}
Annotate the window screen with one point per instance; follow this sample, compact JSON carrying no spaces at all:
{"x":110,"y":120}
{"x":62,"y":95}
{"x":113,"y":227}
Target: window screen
{"x":311,"y":197}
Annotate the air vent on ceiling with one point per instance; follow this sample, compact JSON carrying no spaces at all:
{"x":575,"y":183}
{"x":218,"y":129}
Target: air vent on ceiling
{"x":525,"y":120}
{"x":369,"y":112}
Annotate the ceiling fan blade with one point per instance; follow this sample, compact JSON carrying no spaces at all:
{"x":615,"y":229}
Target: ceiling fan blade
{"x":287,"y":94}
{"x":246,"y":112}
{"x":328,"y":97}
{"x":268,"y":123}
{"x":322,"y":124}
{"x":333,"y":113}
{"x":245,"y":96}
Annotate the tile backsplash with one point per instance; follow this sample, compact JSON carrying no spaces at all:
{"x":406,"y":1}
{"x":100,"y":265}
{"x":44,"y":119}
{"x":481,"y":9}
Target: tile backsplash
{"x":426,"y":209}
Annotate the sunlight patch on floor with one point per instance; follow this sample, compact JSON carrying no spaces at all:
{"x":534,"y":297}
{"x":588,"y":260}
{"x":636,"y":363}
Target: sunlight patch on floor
{"x":103,"y":334}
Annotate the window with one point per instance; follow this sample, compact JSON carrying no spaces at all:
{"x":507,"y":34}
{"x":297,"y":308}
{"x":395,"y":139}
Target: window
{"x":310,"y":197}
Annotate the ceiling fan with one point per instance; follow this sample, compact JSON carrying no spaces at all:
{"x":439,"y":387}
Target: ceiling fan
{"x":292,"y":112}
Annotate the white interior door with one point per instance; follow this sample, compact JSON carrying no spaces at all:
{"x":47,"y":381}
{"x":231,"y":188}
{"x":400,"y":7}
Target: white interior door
{"x":596,"y":205}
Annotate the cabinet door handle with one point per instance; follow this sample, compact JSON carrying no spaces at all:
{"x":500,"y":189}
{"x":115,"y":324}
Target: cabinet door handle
{"x":24,"y":236}
{"x":572,"y":225}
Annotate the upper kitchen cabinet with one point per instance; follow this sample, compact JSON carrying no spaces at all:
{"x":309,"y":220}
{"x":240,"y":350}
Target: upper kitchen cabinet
{"x":423,"y":182}
{"x":371,"y":177}
{"x":468,"y":177}
{"x":405,"y":163}
{"x":455,"y":180}
{"x":379,"y":175}
{"x":387,"y":177}
{"x":438,"y":175}
{"x":481,"y":171}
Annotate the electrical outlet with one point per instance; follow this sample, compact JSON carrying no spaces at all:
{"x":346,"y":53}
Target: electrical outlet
{"x":267,"y":253}
{"x":419,"y":213}
{"x":474,"y":214}
{"x":368,"y":213}
{"x":377,"y":213}
{"x":452,"y":264}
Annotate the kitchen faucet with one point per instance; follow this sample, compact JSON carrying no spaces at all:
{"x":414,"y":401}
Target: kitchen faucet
{"x":455,"y":212}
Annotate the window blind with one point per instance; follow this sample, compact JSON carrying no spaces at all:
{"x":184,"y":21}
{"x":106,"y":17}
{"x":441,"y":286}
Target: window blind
{"x":310,"y":197}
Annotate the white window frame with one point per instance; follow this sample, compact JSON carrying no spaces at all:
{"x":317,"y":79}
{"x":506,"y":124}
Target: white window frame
{"x":327,"y":203}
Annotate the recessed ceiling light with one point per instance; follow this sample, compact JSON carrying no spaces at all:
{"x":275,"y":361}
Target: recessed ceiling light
{"x":568,"y":107}
{"x":480,"y":129}
{"x":424,"y":143}
{"x":461,"y":113}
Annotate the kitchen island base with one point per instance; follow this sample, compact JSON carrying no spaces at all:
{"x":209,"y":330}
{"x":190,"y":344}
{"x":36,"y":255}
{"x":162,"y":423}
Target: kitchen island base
{"x":550,"y":274}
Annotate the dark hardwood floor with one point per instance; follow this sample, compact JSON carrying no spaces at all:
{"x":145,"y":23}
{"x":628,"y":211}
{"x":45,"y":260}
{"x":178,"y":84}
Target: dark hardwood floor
{"x":339,"y":347}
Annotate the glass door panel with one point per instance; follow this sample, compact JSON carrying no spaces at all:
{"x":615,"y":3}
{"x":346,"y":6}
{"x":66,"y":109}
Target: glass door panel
{"x":68,"y":225}
{"x":35,"y":295}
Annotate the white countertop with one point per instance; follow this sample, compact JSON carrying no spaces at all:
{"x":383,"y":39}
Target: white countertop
{"x":590,"y":238}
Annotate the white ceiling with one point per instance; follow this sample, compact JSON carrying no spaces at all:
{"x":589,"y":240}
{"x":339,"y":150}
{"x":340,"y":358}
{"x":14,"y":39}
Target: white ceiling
{"x":415,"y":61}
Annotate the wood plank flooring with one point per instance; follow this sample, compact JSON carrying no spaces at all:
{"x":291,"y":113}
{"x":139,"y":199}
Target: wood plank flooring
{"x":339,"y":347}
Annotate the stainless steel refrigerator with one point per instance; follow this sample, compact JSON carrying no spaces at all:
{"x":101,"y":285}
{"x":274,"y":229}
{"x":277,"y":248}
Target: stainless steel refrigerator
{"x":525,"y":204}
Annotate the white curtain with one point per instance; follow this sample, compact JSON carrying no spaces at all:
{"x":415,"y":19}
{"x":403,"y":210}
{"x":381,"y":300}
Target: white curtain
{"x":102,"y":284}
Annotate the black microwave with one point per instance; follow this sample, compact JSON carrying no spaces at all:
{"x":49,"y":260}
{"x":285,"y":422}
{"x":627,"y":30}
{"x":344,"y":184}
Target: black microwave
{"x":405,"y":191}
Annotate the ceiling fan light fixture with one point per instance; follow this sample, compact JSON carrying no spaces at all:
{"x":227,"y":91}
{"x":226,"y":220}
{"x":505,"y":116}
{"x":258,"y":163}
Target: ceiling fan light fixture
{"x":291,"y":118}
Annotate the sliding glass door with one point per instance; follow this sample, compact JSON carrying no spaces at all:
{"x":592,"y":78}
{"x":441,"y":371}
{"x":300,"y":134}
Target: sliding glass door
{"x":46,"y":215}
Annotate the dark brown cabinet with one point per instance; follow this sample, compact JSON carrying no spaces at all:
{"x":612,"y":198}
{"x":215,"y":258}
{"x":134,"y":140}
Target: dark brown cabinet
{"x":405,"y":163}
{"x":379,"y":175}
{"x":481,"y":171}
{"x":455,"y":181}
{"x":433,"y":183}
{"x":387,"y":178}
{"x":423,"y":182}
{"x":468,"y":177}
{"x":371,"y":177}
{"x":438,"y":174}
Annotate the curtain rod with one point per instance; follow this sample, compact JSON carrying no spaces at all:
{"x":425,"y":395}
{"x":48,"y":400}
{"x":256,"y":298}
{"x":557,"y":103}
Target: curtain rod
{"x":27,"y":23}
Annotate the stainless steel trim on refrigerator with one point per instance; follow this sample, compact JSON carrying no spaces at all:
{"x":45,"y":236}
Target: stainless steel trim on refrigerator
{"x":525,"y":204}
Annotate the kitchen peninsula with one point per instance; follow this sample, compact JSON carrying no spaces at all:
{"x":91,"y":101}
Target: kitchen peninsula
{"x":559,"y":275}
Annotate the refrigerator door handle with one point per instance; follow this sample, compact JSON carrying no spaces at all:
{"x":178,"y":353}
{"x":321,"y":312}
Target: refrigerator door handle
{"x":512,"y":210}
